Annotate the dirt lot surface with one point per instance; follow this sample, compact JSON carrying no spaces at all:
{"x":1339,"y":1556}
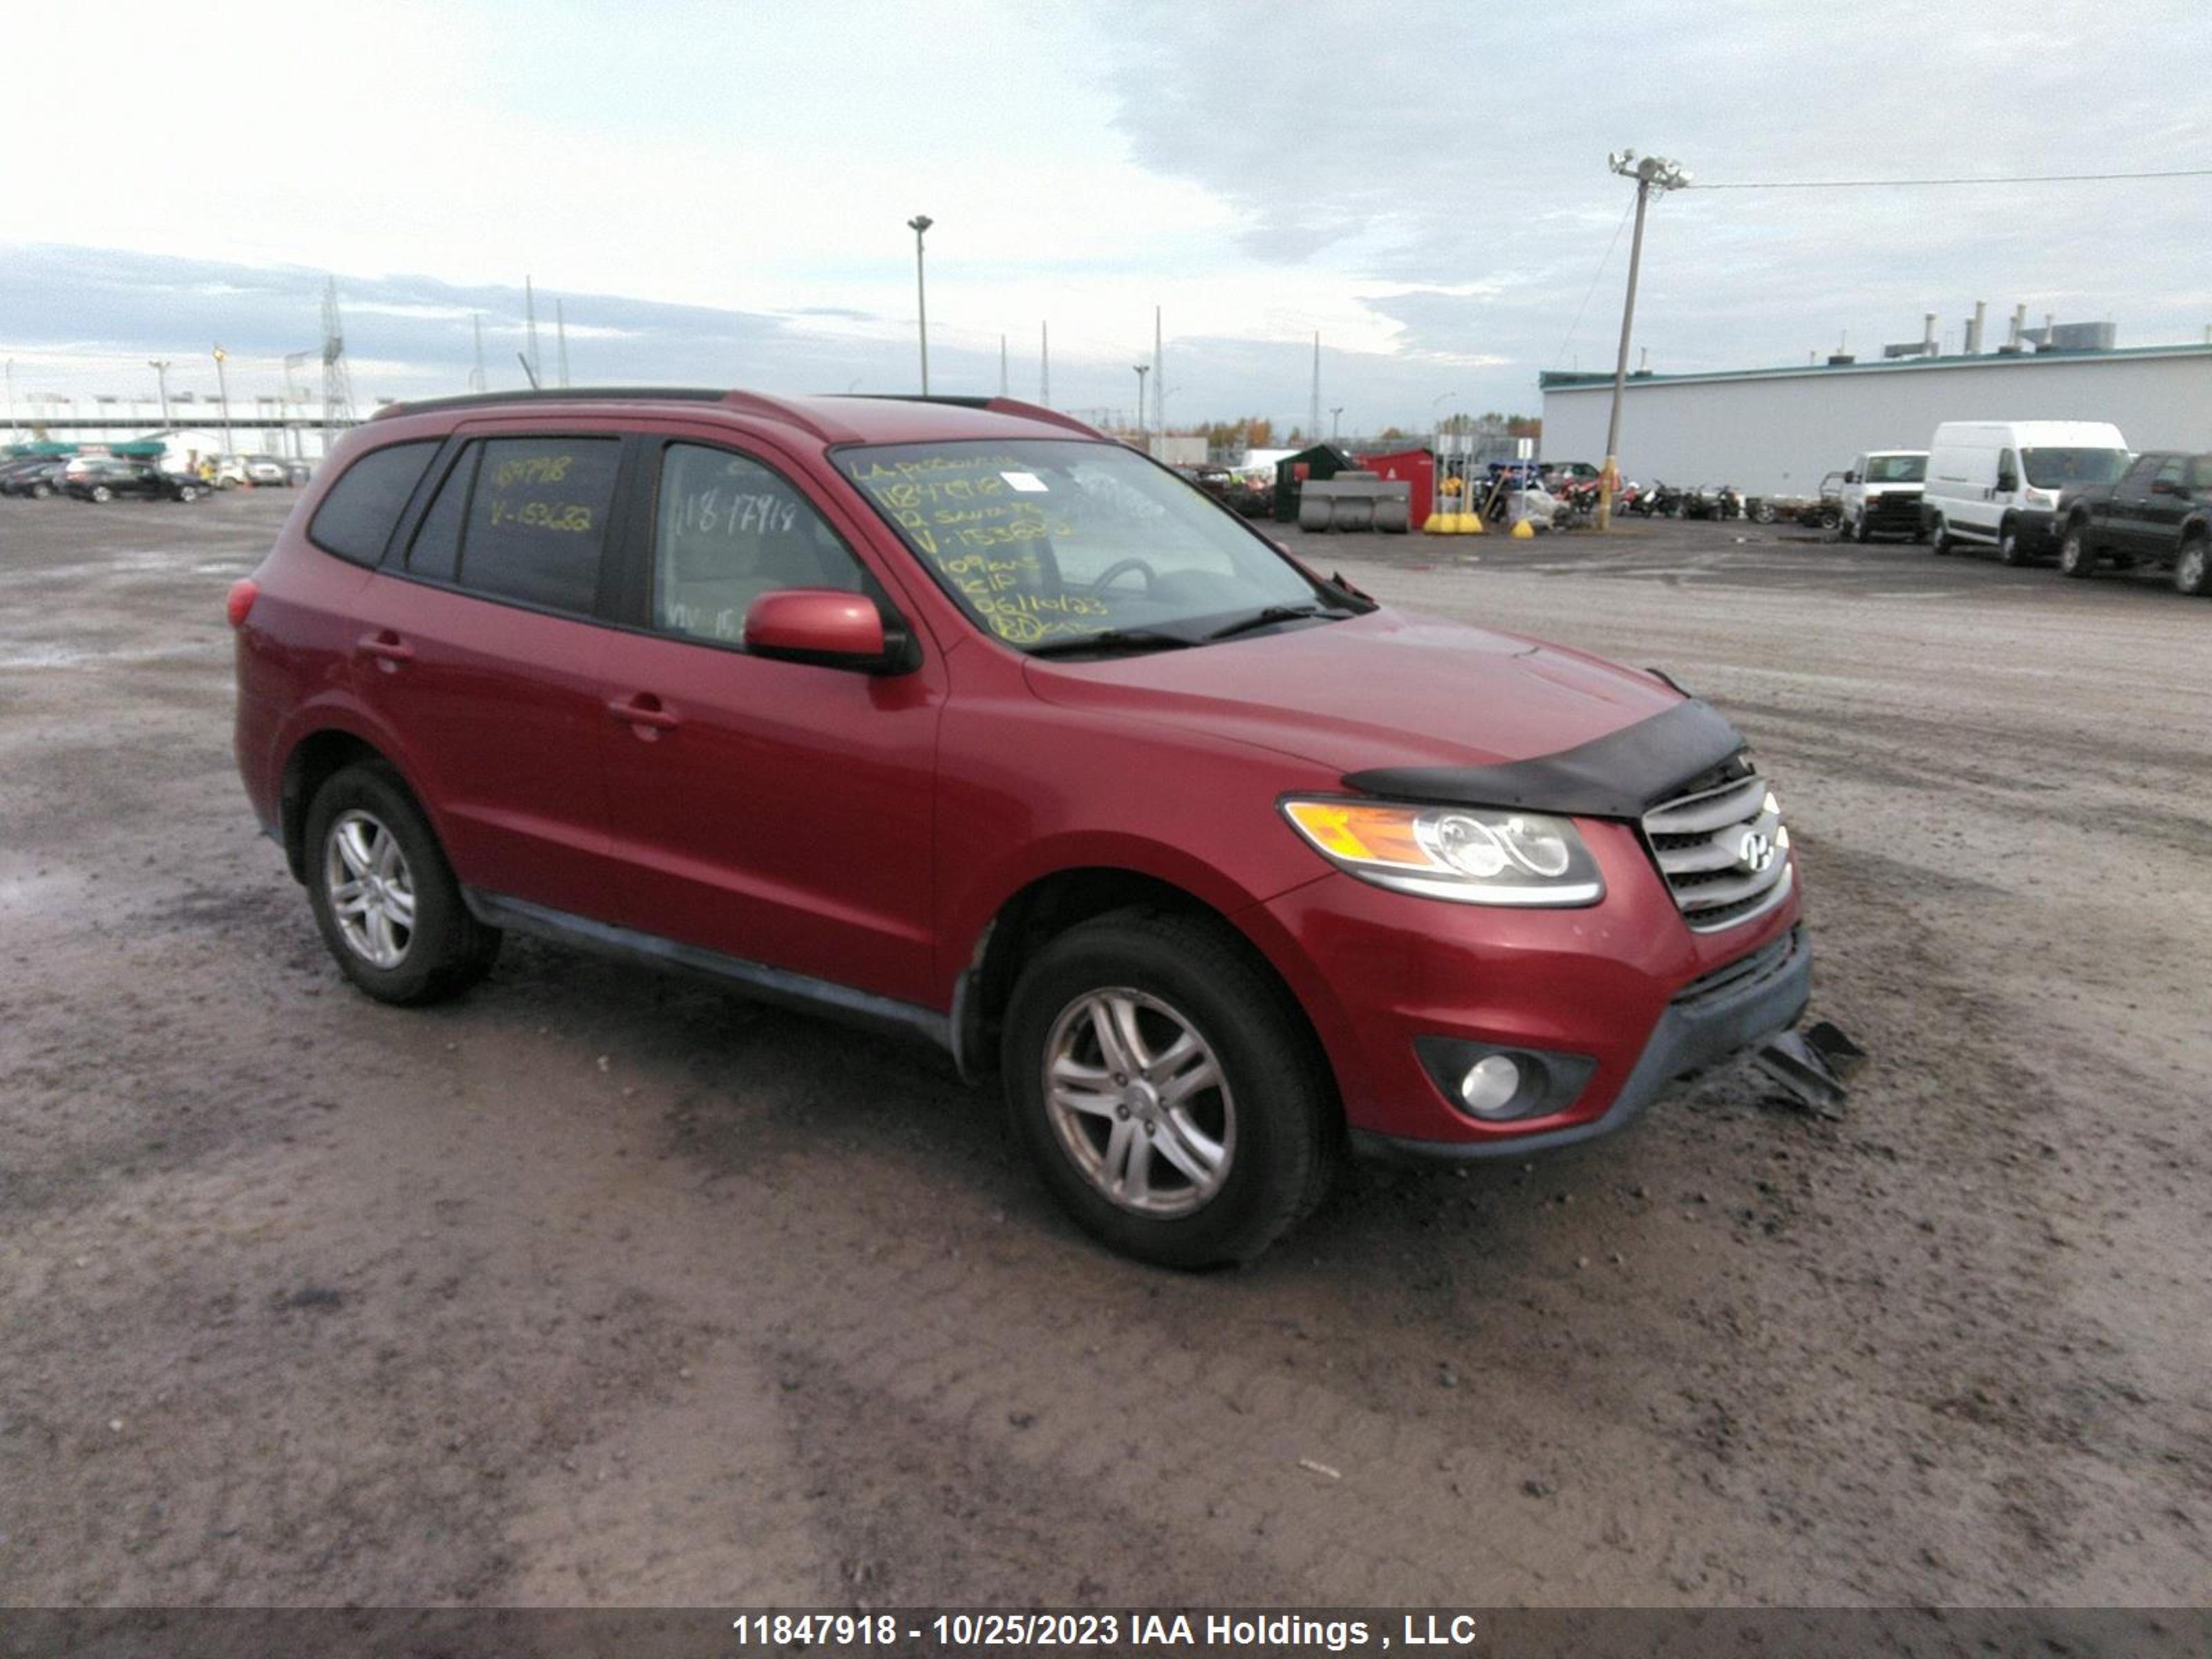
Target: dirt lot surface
{"x":598,"y":1288}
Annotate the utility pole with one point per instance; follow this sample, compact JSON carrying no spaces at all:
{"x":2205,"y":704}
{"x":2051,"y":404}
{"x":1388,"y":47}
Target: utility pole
{"x":529,"y":325}
{"x":160,"y":365}
{"x":1649,"y":173}
{"x":223,"y":391}
{"x":1159,"y":378}
{"x":1002,"y":365}
{"x":1313,"y":410}
{"x":1044,"y":364}
{"x":560,"y":334}
{"x":11,"y":396}
{"x":476,"y":381}
{"x":918,"y":224}
{"x":1142,"y":369}
{"x":1333,"y":417}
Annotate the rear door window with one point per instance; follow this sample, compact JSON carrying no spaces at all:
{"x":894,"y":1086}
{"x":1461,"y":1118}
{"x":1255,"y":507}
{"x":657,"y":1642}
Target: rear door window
{"x":536,"y":519}
{"x":357,"y":518}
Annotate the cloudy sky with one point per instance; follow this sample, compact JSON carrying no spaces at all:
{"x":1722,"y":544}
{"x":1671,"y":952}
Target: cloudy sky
{"x":717,"y":193}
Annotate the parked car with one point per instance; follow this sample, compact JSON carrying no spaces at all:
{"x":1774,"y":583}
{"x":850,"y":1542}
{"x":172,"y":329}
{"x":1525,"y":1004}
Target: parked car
{"x":298,"y":473}
{"x":37,"y":478}
{"x":1997,"y":484}
{"x":1213,"y":480}
{"x":107,"y":479}
{"x":1881,"y":495}
{"x":264,"y":469}
{"x":2159,"y":514}
{"x":964,"y":722}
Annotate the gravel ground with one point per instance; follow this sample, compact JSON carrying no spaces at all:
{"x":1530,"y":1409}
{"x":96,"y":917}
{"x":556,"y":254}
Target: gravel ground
{"x":596,"y":1288}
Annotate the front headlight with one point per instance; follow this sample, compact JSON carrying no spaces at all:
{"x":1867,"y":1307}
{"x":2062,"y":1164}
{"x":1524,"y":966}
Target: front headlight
{"x":1471,"y":854}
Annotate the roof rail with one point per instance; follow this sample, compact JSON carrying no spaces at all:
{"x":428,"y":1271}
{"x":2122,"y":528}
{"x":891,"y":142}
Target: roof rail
{"x":693,"y":394}
{"x":994,"y":405}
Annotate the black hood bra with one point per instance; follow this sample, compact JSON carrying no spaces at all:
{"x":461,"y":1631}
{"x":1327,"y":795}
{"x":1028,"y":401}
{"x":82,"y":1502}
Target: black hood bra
{"x":1622,"y":775}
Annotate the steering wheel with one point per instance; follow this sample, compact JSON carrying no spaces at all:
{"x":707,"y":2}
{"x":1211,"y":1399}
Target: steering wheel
{"x":1121,"y":567}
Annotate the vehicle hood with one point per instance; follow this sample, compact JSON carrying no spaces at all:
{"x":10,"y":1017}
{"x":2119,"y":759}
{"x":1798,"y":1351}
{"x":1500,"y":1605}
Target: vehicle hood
{"x":1387,"y":690}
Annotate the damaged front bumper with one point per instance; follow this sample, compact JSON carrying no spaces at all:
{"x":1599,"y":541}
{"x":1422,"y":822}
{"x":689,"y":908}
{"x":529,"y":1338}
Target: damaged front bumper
{"x":1743,"y":1005}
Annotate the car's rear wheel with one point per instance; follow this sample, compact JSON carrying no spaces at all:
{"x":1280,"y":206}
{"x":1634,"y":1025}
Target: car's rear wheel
{"x":102,"y":493}
{"x":384,"y":896}
{"x":187,"y":493}
{"x":1172,"y":1097}
{"x":40,"y":491}
{"x":2077,"y":558}
{"x":2008,"y":548}
{"x":2192,"y":568}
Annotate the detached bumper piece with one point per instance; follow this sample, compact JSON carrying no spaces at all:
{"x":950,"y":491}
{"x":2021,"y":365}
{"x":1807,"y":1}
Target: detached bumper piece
{"x":1811,"y":1067}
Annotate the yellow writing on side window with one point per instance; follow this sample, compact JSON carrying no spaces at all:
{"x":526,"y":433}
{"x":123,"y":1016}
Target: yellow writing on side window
{"x":572,"y":517}
{"x":538,"y":468}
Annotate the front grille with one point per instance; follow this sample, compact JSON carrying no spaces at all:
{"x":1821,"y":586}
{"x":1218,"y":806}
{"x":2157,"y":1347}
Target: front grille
{"x":1708,"y":842}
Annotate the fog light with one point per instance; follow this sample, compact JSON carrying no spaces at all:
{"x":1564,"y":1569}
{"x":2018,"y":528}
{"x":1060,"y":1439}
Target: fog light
{"x":1490,"y":1086}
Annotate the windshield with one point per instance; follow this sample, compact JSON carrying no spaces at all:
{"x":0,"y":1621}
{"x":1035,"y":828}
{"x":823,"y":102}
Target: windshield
{"x":1045,"y":543}
{"x":1897,"y":469}
{"x":2060,"y":469}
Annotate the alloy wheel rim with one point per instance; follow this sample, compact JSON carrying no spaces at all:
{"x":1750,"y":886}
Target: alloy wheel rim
{"x":370,"y":888}
{"x":1140,"y":1101}
{"x":2192,"y":565}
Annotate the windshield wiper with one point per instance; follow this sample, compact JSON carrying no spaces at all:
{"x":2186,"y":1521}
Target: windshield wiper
{"x":1113,"y":639}
{"x":1274,"y":613}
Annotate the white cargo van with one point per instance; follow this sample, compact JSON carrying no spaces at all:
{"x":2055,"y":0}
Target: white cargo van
{"x":1997,"y":482}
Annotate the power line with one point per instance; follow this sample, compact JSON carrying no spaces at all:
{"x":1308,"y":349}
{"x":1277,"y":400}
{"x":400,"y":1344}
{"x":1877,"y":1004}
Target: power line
{"x":1595,"y":278}
{"x":2010,"y":179}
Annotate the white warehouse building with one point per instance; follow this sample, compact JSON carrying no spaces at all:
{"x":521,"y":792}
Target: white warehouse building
{"x":1778,"y":431}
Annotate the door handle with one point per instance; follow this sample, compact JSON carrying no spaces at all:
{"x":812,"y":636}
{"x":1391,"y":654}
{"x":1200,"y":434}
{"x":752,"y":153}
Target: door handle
{"x":644,"y":709}
{"x":387,"y":648}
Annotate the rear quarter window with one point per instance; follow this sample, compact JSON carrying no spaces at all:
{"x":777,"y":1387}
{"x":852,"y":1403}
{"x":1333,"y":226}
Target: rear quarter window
{"x":356,"y":518}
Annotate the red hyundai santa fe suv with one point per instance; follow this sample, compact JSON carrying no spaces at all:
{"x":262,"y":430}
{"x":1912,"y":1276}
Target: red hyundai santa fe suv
{"x":957,"y":719}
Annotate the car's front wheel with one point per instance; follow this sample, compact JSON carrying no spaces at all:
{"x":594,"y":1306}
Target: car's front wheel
{"x":384,"y":896}
{"x":102,"y":493}
{"x":1171,"y":1095}
{"x":187,"y":492}
{"x":2192,"y":568}
{"x":2010,"y":551}
{"x":1939,"y":538}
{"x":2075,"y":557}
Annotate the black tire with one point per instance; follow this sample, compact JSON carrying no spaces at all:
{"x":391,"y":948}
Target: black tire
{"x":187,"y":492}
{"x":2076,"y":556}
{"x":446,"y":950}
{"x":1860,"y":534}
{"x":102,"y":493}
{"x":2009,"y":551}
{"x":1830,"y":520}
{"x":1939,"y":538}
{"x":39,"y":492}
{"x":2192,"y":568}
{"x":1274,"y":1118}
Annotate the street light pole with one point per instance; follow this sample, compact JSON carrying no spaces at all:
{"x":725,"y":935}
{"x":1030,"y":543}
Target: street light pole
{"x":223,"y":391}
{"x":1332,"y":414}
{"x":918,"y":223}
{"x":161,"y":367}
{"x":1142,"y":369}
{"x":1650,"y":172}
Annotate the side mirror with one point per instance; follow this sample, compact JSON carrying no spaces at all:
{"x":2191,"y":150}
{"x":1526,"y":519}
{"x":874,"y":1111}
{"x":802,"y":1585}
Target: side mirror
{"x":821,"y":626}
{"x":1851,"y":477}
{"x":2007,"y":483}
